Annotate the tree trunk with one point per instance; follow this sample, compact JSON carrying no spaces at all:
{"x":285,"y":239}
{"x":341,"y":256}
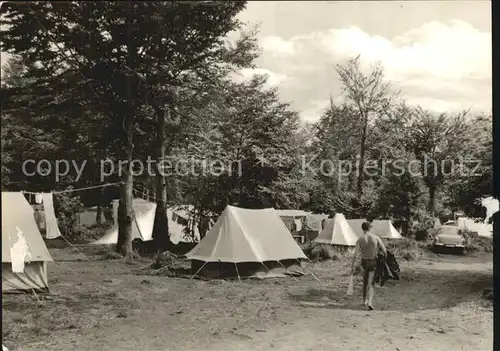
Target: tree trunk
{"x":125,"y":211}
{"x":125,"y":215}
{"x":161,"y":236}
{"x":102,"y":191}
{"x":98,"y":215}
{"x":362,"y":151}
{"x":432,"y":200}
{"x":109,"y":215}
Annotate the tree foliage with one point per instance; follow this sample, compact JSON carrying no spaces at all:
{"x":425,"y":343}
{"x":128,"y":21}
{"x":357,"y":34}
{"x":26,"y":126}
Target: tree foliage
{"x":96,"y":80}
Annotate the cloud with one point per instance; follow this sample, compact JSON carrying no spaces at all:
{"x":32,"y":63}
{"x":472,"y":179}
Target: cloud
{"x":441,"y":66}
{"x":277,"y":46}
{"x":273,"y":79}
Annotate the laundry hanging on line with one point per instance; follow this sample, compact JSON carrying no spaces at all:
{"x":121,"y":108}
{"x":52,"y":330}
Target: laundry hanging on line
{"x":51,"y":227}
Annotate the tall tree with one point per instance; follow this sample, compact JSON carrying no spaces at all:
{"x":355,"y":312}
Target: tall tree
{"x":369,"y":97}
{"x":338,"y":140}
{"x":249,"y":135}
{"x":464,"y":190}
{"x":116,"y":57}
{"x":441,"y":143}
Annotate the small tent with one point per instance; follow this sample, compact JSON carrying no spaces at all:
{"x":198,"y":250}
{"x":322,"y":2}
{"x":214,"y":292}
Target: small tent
{"x":337,"y":232}
{"x":312,"y":225}
{"x":292,"y":218}
{"x":24,"y":254}
{"x":142,"y":225}
{"x":356,"y":225}
{"x":245,"y":242}
{"x":385,"y":229}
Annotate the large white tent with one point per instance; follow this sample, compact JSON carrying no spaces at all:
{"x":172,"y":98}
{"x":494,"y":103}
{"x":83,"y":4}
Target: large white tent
{"x":246,"y":241}
{"x":356,"y":225}
{"x":337,"y":232}
{"x":142,"y":225}
{"x":384,"y":229}
{"x":24,"y":254}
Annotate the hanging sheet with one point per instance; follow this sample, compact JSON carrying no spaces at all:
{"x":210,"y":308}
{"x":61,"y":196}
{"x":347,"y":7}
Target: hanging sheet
{"x":51,"y":227}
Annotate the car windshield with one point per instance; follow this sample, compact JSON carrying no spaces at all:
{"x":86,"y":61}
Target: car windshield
{"x":449,"y":230}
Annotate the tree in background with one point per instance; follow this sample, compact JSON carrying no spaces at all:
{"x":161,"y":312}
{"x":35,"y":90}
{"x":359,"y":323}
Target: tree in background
{"x":354,"y":137}
{"x":441,"y":143}
{"x":464,"y":191}
{"x":115,"y":58}
{"x":369,"y":97}
{"x":253,"y":135}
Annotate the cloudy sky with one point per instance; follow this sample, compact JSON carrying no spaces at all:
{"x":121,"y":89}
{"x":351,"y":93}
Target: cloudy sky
{"x":438,"y":53}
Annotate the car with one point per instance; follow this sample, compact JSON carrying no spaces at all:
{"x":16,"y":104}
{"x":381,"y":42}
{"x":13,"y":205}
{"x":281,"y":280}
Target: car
{"x":449,"y":237}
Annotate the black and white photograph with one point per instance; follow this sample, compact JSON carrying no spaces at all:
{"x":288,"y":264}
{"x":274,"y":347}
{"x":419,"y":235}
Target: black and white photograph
{"x":247,"y":175}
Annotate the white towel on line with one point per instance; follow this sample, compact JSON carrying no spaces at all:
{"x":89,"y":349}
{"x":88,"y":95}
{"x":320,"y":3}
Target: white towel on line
{"x":51,"y":227}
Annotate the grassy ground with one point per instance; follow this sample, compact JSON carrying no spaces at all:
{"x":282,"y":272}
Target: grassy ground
{"x":106,"y":304}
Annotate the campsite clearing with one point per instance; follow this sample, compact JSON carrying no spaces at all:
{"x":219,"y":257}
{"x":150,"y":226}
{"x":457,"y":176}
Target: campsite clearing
{"x":110,"y":305}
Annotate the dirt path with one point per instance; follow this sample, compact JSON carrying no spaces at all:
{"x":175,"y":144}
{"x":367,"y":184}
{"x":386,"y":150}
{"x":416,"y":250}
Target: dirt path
{"x":103,"y":306}
{"x":416,"y":317}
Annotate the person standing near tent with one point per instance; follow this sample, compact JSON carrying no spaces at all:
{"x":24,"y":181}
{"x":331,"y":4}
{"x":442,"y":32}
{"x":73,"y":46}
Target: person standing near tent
{"x":368,"y":245}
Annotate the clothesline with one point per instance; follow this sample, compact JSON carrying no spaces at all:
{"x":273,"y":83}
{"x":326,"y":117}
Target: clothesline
{"x":73,"y":190}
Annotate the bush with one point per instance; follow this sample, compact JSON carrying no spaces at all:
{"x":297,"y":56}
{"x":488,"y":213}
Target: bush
{"x":475,"y":243}
{"x":406,"y":249}
{"x":321,"y":252}
{"x":82,"y":234}
{"x":66,"y":208}
{"x":422,"y":224}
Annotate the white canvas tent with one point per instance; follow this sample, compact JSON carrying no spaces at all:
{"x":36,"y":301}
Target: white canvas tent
{"x":24,"y":254}
{"x":142,"y":225}
{"x":481,"y":228}
{"x":337,"y":232}
{"x":312,"y":225}
{"x":384,"y":229}
{"x":356,"y":225}
{"x":246,"y":242}
{"x":290,"y":217}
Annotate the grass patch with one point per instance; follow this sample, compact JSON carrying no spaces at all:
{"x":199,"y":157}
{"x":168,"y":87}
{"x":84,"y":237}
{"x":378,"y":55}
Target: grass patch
{"x":28,"y":317}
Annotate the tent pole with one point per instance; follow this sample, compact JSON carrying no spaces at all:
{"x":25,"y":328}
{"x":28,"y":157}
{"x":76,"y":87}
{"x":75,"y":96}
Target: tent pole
{"x":237,"y":272}
{"x":310,"y":271}
{"x":287,"y":270}
{"x":137,"y":224}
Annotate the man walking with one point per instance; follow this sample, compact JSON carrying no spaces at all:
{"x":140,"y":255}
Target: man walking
{"x":368,"y":245}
